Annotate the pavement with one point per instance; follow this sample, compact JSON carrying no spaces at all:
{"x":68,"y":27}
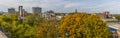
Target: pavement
{"x":114,"y":25}
{"x":2,"y":35}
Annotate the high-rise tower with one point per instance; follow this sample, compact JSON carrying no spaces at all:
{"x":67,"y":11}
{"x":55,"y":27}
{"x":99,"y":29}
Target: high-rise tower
{"x":21,"y":13}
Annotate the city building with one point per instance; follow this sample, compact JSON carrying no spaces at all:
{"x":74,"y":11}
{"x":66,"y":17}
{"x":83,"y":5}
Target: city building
{"x":24,"y":13}
{"x":11,"y":10}
{"x":53,"y":15}
{"x":21,"y":11}
{"x":106,"y":14}
{"x":49,"y":14}
{"x":37,"y":10}
{"x":60,"y":15}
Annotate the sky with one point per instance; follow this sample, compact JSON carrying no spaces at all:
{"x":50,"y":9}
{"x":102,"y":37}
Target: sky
{"x":90,"y":6}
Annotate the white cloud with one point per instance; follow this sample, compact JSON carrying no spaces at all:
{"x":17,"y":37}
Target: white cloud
{"x":61,"y":5}
{"x":113,"y":7}
{"x":28,"y":4}
{"x":69,"y":5}
{"x":9,"y":2}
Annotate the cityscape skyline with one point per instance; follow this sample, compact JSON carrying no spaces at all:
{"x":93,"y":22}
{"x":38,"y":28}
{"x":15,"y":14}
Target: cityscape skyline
{"x":64,"y":5}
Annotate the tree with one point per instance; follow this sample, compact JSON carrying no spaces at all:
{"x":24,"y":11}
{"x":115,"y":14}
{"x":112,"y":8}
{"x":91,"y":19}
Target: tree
{"x":33,"y":19}
{"x":47,"y":29}
{"x":82,"y":25}
{"x":116,"y":16}
{"x":18,"y":29}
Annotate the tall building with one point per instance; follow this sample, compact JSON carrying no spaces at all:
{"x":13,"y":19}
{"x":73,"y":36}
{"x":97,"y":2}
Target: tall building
{"x":106,"y":14}
{"x":11,"y":10}
{"x":21,"y":12}
{"x":24,"y":13}
{"x":36,"y":9}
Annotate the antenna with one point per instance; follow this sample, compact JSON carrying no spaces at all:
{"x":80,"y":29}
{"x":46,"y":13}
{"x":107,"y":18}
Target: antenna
{"x":20,"y":2}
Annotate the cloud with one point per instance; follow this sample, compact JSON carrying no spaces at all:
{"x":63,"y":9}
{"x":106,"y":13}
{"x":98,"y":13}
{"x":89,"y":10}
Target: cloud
{"x":64,"y":5}
{"x":69,"y":5}
{"x":113,"y":7}
{"x":57,"y":5}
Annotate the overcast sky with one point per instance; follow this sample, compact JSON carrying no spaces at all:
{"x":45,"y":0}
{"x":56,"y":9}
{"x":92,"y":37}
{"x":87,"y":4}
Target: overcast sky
{"x":64,"y":5}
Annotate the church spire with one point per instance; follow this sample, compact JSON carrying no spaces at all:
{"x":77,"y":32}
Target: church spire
{"x":75,"y":10}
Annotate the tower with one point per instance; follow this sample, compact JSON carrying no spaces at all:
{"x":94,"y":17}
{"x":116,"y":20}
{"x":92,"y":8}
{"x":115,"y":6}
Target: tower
{"x":106,"y":14}
{"x":75,"y":10}
{"x":21,"y":13}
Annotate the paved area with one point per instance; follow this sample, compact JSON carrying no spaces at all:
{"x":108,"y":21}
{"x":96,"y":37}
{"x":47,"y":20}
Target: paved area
{"x":114,"y":25}
{"x":2,"y":35}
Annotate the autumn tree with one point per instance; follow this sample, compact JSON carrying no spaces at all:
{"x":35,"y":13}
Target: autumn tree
{"x":82,"y":25}
{"x":47,"y":29}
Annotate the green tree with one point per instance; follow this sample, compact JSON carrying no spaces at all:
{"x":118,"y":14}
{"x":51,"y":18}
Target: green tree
{"x":116,"y":16}
{"x":17,"y":28}
{"x":33,"y":19}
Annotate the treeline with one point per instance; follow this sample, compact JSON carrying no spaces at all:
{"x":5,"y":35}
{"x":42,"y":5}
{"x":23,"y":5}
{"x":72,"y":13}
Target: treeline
{"x":74,"y":25}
